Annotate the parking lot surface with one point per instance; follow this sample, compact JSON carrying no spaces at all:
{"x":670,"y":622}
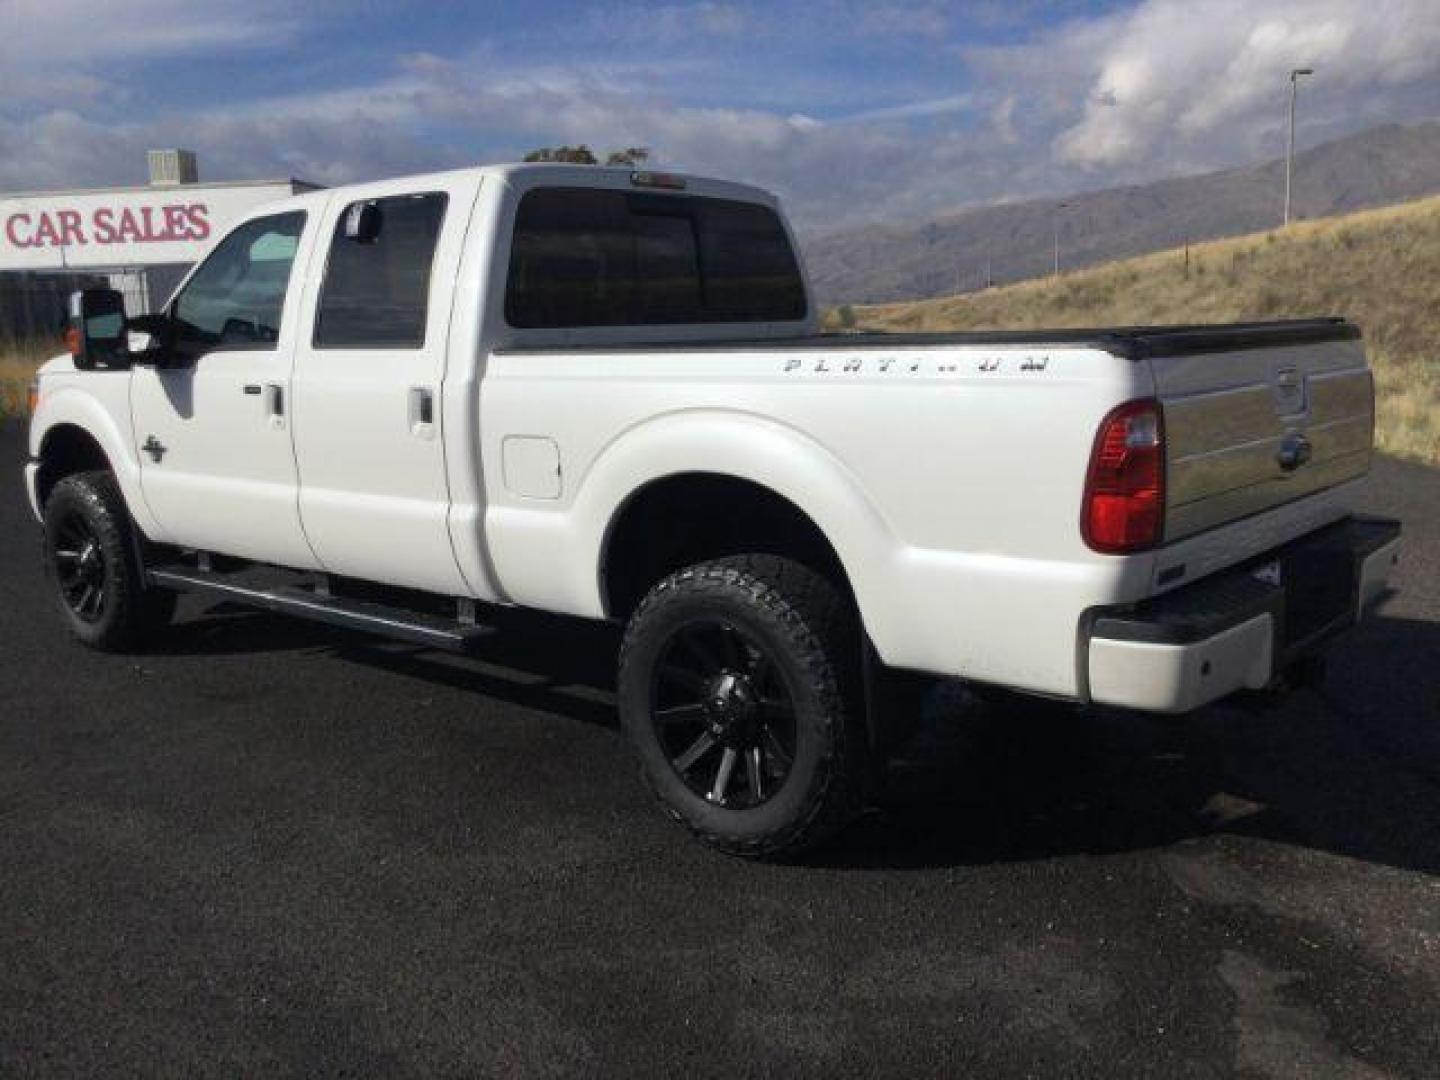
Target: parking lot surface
{"x":270,"y":849}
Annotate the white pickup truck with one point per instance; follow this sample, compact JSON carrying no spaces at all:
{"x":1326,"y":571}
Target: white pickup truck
{"x":602,"y":392}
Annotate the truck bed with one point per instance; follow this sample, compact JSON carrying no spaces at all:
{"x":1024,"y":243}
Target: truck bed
{"x":1233,"y":395}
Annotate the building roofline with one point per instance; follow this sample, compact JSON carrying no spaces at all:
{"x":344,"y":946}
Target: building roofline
{"x":297,"y":186}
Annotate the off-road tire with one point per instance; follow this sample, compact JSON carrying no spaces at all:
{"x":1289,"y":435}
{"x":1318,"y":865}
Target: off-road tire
{"x":127,"y":613}
{"x":810,"y":632}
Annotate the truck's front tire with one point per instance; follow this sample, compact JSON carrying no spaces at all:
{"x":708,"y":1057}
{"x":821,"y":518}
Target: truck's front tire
{"x":92,"y":564}
{"x":739,"y":688}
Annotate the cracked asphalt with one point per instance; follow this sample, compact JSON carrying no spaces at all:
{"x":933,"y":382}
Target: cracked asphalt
{"x":267,"y":848}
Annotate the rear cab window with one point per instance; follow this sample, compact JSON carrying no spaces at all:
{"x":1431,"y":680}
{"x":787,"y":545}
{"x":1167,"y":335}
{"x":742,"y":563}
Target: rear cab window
{"x":597,"y":257}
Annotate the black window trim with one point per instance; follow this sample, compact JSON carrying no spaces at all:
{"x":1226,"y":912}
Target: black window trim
{"x":315,"y":345}
{"x":242,"y":346}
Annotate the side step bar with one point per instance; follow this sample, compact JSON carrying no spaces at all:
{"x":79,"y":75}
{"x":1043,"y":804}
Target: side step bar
{"x":399,"y":623}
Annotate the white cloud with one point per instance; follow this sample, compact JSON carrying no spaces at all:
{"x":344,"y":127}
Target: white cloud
{"x":61,"y":149}
{"x":1181,"y":72}
{"x":916,"y":109}
{"x":54,"y":33}
{"x":1156,"y":87}
{"x":1002,"y":120}
{"x":923,"y":20}
{"x":670,"y":23}
{"x":66,"y":51}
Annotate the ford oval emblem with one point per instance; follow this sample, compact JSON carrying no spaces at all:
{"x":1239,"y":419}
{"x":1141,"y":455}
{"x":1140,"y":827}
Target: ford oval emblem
{"x":1295,"y":450}
{"x":1289,"y":391}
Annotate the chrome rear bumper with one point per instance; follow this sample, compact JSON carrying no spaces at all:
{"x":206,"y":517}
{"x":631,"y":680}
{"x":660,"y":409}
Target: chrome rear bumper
{"x":1240,"y":628}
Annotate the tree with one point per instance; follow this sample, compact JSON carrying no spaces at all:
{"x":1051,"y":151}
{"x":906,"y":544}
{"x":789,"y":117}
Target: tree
{"x":632,"y":156}
{"x":572,"y":155}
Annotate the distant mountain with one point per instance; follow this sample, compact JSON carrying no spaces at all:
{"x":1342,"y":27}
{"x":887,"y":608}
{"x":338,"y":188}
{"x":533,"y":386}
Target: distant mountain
{"x":949,"y":254}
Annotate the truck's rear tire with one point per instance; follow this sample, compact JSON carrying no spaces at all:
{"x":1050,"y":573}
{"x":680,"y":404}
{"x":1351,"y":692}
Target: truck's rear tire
{"x":739,"y":688}
{"x":91,"y":561}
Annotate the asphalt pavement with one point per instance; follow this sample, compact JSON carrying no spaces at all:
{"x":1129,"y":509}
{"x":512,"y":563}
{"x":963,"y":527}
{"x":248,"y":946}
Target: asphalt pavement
{"x":270,"y":849}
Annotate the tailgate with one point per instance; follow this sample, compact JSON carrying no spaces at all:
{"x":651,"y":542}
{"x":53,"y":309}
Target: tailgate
{"x":1258,"y":416}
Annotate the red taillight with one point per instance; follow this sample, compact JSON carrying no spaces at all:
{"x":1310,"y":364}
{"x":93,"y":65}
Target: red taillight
{"x":73,"y":343}
{"x":1124,"y":507}
{"x":669,"y":181}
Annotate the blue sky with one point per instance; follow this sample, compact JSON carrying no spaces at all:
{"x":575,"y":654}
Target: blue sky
{"x":854,"y":112}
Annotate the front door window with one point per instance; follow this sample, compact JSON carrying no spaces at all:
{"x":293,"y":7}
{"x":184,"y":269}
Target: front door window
{"x":235,"y":299}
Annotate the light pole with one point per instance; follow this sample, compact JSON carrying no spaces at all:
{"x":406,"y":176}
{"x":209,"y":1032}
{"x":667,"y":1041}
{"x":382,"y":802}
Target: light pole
{"x":1055,"y":222}
{"x":1295,"y":74}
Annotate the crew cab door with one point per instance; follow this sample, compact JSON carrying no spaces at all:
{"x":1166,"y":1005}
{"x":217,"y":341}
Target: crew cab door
{"x":369,"y":442}
{"x":212,"y":427}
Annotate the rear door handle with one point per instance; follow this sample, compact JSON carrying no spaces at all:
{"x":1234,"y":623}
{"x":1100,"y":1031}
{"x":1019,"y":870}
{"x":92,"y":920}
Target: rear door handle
{"x":422,"y":412}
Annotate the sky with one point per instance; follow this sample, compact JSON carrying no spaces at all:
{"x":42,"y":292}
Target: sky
{"x":853,"y":112}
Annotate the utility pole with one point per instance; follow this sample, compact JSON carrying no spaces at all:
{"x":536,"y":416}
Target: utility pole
{"x":1055,"y":221}
{"x":1295,"y":74}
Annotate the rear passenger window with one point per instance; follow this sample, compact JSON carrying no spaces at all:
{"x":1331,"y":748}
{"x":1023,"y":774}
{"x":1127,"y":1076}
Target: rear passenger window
{"x":377,"y":284}
{"x":594,"y":257}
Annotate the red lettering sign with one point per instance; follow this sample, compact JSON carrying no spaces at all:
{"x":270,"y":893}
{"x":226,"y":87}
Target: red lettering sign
{"x":107,"y":225}
{"x":70,"y":227}
{"x":12,"y":229}
{"x":104,"y":219}
{"x":199,"y":220}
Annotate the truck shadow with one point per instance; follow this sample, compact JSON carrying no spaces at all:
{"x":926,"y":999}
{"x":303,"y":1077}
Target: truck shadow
{"x":1351,"y":767}
{"x":553,"y":664}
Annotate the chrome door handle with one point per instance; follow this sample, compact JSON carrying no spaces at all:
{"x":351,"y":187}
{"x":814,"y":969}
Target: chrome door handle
{"x":275,"y":404}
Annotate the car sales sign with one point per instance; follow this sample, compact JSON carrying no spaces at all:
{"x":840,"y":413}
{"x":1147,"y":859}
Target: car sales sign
{"x":115,"y":229}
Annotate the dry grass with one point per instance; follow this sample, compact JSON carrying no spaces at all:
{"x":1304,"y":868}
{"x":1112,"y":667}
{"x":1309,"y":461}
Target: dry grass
{"x":18,"y":361}
{"x":1380,"y":268}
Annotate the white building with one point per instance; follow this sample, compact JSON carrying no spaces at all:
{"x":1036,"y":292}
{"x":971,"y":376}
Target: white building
{"x":142,"y":239}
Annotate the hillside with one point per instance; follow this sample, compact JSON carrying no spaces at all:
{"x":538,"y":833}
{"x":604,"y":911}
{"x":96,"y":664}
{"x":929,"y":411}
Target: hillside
{"x":881,"y":263}
{"x":1380,"y":268}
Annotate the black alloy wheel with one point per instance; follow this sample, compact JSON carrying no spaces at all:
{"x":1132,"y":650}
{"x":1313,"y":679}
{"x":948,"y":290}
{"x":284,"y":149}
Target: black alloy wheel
{"x":93,"y":559}
{"x":78,"y":564}
{"x":740,"y":690}
{"x":723,"y":714}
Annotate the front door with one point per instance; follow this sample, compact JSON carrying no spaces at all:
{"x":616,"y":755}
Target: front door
{"x":213,"y":427}
{"x":369,"y":374}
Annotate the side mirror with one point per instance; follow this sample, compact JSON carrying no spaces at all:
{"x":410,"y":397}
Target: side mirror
{"x":362,"y":223}
{"x":154,"y":324}
{"x":158,"y":330}
{"x":96,"y":334}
